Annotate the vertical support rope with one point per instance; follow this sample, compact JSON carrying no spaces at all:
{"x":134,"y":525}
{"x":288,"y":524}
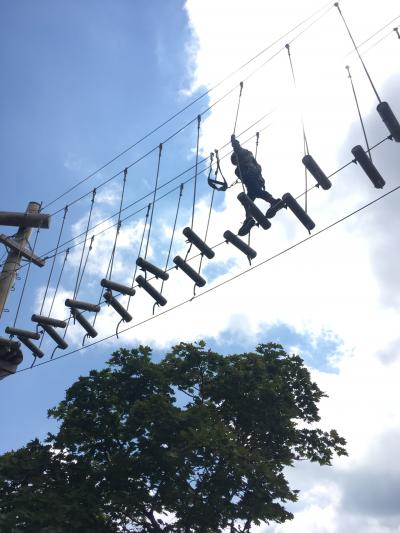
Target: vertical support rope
{"x":196,"y":169}
{"x":58,"y":281}
{"x":238,"y":107}
{"x":154,"y":199}
{"x":26,"y":277}
{"x":84,"y":244}
{"x":85,"y":263}
{"x":336,"y":4}
{"x":54,"y":260}
{"x":171,"y":241}
{"x":139,"y":253}
{"x":234,"y":130}
{"x":359,"y":112}
{"x":173,"y":233}
{"x":118,"y":225}
{"x":396,"y":30}
{"x":305,"y":142}
{"x":257,"y":141}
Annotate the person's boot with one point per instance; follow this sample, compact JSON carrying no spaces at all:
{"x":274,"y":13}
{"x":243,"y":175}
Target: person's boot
{"x":276,"y":205}
{"x":246,"y":227}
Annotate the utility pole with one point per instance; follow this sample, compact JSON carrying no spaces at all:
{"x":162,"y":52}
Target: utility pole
{"x":10,"y":353}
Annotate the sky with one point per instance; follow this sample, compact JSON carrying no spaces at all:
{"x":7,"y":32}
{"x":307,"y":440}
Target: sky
{"x":82,"y":86}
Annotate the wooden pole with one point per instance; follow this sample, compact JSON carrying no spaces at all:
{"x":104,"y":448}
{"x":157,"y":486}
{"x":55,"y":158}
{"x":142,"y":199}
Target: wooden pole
{"x":13,"y":261}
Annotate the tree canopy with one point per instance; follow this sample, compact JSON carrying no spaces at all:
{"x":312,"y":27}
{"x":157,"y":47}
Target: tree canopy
{"x":196,"y":442}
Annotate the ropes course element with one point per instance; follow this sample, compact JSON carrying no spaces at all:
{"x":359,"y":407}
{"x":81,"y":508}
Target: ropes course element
{"x":238,"y":107}
{"x":359,"y":112}
{"x":305,"y":142}
{"x":193,"y":239}
{"x":145,"y":265}
{"x":171,"y":241}
{"x":214,"y":183}
{"x":231,"y":279}
{"x":46,"y":322}
{"x":257,"y":141}
{"x":196,"y":169}
{"x":361,"y":157}
{"x":23,"y":335}
{"x":76,"y":306}
{"x":53,"y":262}
{"x":383,"y":108}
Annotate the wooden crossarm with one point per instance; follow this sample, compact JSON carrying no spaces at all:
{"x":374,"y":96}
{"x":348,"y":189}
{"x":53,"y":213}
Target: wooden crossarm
{"x":24,"y":252}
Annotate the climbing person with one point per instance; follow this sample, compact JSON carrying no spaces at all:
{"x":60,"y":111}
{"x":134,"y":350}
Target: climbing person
{"x":249,"y":173}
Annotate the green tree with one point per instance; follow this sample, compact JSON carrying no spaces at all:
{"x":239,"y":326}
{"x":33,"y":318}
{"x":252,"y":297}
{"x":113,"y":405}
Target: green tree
{"x":197,"y":442}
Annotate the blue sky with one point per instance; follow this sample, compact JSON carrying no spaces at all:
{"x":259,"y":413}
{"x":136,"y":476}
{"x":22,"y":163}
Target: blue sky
{"x":83,"y":84}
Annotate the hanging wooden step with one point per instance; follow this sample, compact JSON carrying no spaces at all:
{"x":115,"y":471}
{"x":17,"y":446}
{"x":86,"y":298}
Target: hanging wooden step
{"x":239,"y":244}
{"x":25,"y":333}
{"x":84,"y":306}
{"x":199,"y":243}
{"x":120,"y":309}
{"x":148,"y":267}
{"x":390,"y":120}
{"x":254,"y":210}
{"x":84,"y":323}
{"x":315,"y":171}
{"x":51,"y":332}
{"x":189,"y":271}
{"x":157,"y":296}
{"x":368,"y":167}
{"x":298,"y":211}
{"x":118,"y":287}
{"x":37,"y":352}
{"x":39,"y":319}
{"x":48,"y":324}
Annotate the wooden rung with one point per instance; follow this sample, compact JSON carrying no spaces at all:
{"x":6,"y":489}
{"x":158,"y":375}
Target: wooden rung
{"x":298,"y":211}
{"x":29,"y":344}
{"x":84,"y":323}
{"x":23,"y":252}
{"x":146,"y":266}
{"x":199,"y":243}
{"x":368,"y":167}
{"x":144,"y":284}
{"x":257,"y":213}
{"x":23,"y":333}
{"x":51,"y":332}
{"x":315,"y":171}
{"x":390,"y":120}
{"x":85,"y":306}
{"x":39,"y":319}
{"x":120,"y":309}
{"x":189,"y":271}
{"x":118,"y":287}
{"x":240,"y":245}
{"x":24,"y":220}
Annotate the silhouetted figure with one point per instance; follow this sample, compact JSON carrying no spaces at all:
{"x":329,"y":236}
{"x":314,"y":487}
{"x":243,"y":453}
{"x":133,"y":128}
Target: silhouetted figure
{"x":249,"y":172}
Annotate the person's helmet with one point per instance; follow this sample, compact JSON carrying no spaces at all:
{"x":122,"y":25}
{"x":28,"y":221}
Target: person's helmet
{"x":234,"y":159}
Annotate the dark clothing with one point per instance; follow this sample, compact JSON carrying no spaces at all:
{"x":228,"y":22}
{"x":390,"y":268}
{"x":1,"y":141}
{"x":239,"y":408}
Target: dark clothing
{"x":249,"y":172}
